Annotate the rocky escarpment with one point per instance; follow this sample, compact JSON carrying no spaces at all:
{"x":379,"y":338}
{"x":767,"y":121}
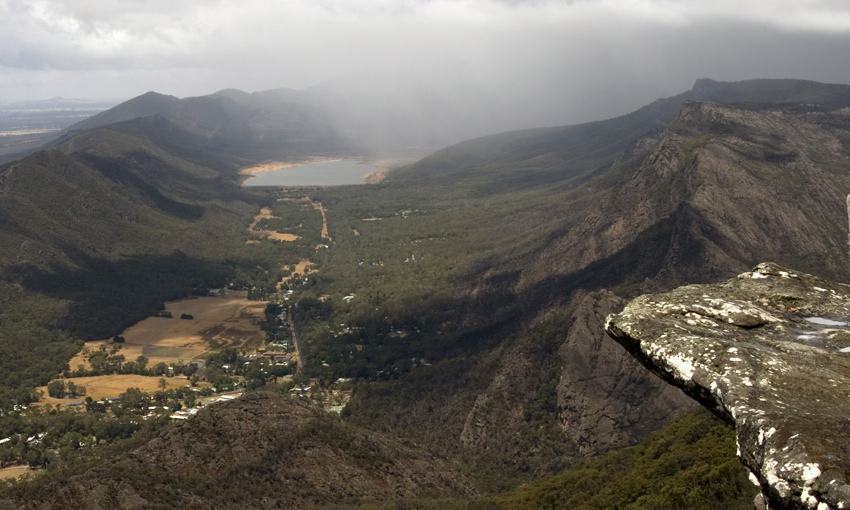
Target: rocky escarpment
{"x":724,"y":188}
{"x":258,"y":451}
{"x":770,"y":352}
{"x":605,"y":398}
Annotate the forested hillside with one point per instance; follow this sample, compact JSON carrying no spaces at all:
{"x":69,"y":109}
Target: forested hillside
{"x":463,"y":297}
{"x":486,"y":285}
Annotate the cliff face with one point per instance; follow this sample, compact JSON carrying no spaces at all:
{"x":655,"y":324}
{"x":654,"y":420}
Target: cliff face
{"x":605,"y":399}
{"x":768,"y":351}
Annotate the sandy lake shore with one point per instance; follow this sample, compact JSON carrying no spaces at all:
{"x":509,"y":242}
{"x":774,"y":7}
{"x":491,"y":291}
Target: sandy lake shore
{"x":268,"y":166}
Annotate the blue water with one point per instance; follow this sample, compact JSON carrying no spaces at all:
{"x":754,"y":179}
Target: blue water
{"x":325,"y":173}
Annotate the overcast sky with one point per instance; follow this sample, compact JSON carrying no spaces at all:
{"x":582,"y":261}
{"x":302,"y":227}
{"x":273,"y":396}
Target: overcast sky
{"x":590,"y":58}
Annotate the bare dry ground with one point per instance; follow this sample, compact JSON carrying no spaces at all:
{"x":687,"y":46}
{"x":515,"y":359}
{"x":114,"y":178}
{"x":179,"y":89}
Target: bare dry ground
{"x":218,"y":322}
{"x":7,"y":473}
{"x":110,"y":386}
{"x":375,"y":177}
{"x":302,"y":268}
{"x":266,"y":214}
{"x":268,"y":166}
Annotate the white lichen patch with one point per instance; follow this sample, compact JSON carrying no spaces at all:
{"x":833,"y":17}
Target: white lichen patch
{"x":769,"y":468}
{"x":808,"y":472}
{"x":683,"y":366}
{"x":808,"y":498}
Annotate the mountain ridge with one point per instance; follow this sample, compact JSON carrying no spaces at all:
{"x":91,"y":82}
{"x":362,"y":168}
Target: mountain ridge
{"x":477,"y":297}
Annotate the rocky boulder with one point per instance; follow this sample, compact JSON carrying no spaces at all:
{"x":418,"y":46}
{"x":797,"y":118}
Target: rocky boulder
{"x":770,"y":352}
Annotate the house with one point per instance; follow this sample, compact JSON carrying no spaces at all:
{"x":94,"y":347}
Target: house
{"x":278,"y":356}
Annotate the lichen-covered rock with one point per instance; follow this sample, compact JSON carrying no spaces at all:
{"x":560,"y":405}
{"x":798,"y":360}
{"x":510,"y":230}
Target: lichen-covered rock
{"x":770,"y":352}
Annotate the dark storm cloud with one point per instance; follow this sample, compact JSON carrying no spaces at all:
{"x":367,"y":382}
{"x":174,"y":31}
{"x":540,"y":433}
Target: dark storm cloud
{"x":535,"y":62}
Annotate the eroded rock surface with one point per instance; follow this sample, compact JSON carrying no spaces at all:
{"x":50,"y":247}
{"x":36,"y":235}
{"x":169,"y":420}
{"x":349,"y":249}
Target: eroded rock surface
{"x":765,"y":350}
{"x":606,"y":400}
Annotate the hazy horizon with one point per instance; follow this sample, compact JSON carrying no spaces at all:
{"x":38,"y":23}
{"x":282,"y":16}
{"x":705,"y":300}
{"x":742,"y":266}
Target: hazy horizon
{"x":539,"y":62}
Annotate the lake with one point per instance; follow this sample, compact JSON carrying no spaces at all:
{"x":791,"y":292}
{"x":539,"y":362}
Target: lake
{"x":323,"y":173}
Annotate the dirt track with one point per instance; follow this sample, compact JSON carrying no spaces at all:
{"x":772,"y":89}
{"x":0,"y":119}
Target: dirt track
{"x":266,"y":214}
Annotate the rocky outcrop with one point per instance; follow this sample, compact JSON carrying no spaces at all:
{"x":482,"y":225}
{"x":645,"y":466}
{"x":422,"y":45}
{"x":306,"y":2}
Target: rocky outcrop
{"x":606,"y":400}
{"x":770,"y":352}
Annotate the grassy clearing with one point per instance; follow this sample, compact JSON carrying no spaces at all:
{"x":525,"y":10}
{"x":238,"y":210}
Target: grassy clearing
{"x":11,"y":472}
{"x":218,"y":322}
{"x":266,"y":214}
{"x":110,"y":386}
{"x":303,"y":268}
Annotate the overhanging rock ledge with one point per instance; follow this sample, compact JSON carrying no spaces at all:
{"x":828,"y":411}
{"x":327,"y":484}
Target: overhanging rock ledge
{"x":769,"y":351}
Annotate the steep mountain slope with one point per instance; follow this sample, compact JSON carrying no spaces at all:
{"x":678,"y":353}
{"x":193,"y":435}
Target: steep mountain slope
{"x":642,"y":477}
{"x":147,"y":104}
{"x":102,"y":193}
{"x":721,"y":188}
{"x":724,"y":188}
{"x":728,"y":187}
{"x":569,"y":155}
{"x":259,"y":451}
{"x":228,"y":129}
